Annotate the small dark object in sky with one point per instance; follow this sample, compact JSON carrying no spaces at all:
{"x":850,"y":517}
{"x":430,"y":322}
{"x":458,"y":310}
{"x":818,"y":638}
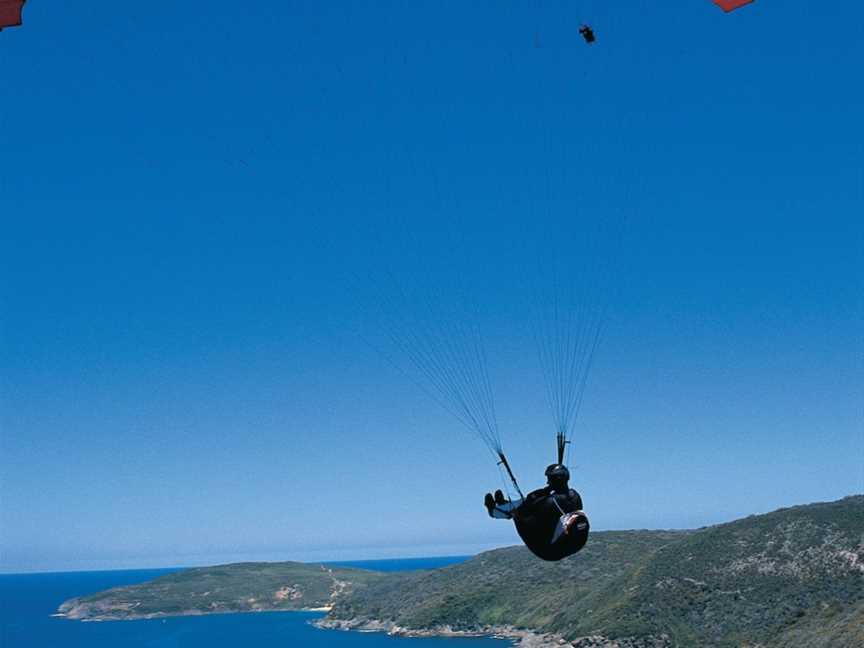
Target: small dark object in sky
{"x":587,"y":34}
{"x":731,"y":5}
{"x":10,"y":13}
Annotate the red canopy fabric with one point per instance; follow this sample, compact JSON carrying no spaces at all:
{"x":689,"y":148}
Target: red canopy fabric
{"x":10,"y":13}
{"x":731,"y":5}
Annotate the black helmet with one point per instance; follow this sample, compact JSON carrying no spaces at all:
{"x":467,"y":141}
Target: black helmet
{"x":557,"y":472}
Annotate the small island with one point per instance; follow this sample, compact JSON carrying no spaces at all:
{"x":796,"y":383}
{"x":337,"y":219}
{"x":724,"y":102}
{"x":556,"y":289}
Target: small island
{"x":794,"y":577}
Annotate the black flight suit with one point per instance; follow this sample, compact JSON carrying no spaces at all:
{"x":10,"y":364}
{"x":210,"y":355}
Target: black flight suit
{"x":538,"y":517}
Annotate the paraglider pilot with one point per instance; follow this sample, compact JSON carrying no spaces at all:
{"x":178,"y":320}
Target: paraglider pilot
{"x":587,"y":34}
{"x":549,"y":520}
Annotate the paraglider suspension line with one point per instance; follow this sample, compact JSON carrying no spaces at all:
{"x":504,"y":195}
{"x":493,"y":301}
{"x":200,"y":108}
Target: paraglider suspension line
{"x":562,"y":446}
{"x":506,"y":465}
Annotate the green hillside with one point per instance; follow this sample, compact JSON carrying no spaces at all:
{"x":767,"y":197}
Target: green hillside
{"x":510,"y":586}
{"x":241,"y":587}
{"x":771,"y":579}
{"x":791,"y":578}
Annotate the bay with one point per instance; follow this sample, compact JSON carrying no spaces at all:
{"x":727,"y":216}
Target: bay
{"x":27,"y":602}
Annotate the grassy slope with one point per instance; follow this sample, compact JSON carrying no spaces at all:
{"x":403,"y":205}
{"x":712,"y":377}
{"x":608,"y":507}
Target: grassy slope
{"x":510,"y":586}
{"x":241,"y":587}
{"x":749,"y":580}
{"x":828,"y":626}
{"x":752,"y":578}
{"x":794,"y":577}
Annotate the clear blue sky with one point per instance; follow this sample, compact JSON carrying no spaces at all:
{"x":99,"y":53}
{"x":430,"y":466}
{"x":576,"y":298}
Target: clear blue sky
{"x":183,"y":192}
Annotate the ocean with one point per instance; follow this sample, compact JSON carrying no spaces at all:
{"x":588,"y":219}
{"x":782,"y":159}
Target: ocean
{"x":27,"y":602}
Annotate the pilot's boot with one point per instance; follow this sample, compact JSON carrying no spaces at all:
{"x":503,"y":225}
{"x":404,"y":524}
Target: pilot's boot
{"x":489,"y":503}
{"x":499,"y":497}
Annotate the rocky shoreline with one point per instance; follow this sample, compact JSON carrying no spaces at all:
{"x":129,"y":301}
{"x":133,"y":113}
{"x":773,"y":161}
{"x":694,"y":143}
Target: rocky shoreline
{"x":525,"y":638}
{"x":521,"y":638}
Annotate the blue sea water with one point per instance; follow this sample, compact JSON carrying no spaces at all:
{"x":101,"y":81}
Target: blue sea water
{"x":27,"y":602}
